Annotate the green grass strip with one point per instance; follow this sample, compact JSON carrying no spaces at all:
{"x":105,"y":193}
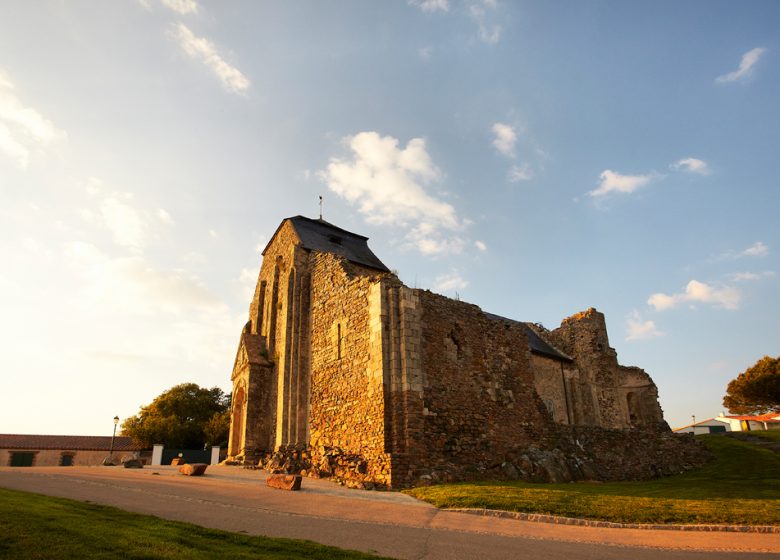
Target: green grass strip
{"x":740,"y":487}
{"x":39,"y":527}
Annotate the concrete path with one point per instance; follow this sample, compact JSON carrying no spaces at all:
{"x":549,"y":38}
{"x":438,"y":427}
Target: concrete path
{"x":386,"y":523}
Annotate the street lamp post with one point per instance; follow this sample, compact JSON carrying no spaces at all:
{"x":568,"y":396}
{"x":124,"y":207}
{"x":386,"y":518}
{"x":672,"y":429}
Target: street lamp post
{"x":111,"y":451}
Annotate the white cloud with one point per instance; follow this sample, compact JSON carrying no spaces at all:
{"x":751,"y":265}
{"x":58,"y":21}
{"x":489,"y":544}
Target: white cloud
{"x":692,"y":165}
{"x":480,"y":245}
{"x":450,"y":282}
{"x":213,"y":233}
{"x":248,"y":281}
{"x":431,"y":5}
{"x":519,"y":173}
{"x":23,"y":130}
{"x":480,"y":13}
{"x":165,"y":217}
{"x":612,"y":181}
{"x":387,"y":184}
{"x":132,"y":285}
{"x":126,"y":224}
{"x":749,"y":60}
{"x":204,"y":50}
{"x":640,"y":330}
{"x":505,"y":138}
{"x":757,"y":249}
{"x":182,"y":7}
{"x":747,"y":276}
{"x":698,"y":292}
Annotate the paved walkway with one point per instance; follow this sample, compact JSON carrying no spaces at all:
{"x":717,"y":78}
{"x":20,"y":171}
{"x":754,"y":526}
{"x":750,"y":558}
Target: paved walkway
{"x":386,"y":523}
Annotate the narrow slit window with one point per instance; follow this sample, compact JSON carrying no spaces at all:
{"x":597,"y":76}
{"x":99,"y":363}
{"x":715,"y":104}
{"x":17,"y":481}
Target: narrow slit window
{"x":338,"y":340}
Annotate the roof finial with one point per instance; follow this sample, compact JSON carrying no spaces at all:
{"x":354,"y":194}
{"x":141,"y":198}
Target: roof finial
{"x":320,"y":207}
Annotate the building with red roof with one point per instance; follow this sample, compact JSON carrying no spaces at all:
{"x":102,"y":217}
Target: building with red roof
{"x":26,"y":450}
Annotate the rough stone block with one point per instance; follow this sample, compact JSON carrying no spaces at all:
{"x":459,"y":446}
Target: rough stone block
{"x":133,"y":464}
{"x":177,"y":461}
{"x":193,"y":469}
{"x":284,"y":481}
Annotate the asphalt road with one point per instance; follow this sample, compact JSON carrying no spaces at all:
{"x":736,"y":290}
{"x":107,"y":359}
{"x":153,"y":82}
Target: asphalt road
{"x":385,"y":523}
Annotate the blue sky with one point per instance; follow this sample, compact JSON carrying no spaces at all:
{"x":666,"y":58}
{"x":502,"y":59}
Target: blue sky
{"x":533,"y":158}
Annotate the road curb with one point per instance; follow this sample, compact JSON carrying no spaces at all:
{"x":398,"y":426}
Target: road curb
{"x":542,"y":518}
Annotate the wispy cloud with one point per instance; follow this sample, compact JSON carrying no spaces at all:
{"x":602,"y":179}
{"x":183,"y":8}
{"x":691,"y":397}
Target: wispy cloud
{"x":182,"y":7}
{"x":726,"y":297}
{"x":749,"y":276}
{"x":165,"y":217}
{"x":134,"y":285}
{"x":425,"y":52}
{"x":637,"y":329}
{"x":518,"y":173}
{"x":480,"y":245}
{"x":204,"y":51}
{"x":614,"y":182}
{"x":23,"y":130}
{"x":749,"y":60}
{"x":481,"y":12}
{"x":691,"y":165}
{"x":388,"y":185}
{"x":431,"y":5}
{"x":757,"y":249}
{"x":126,"y":224}
{"x":505,"y":138}
{"x":450,"y":282}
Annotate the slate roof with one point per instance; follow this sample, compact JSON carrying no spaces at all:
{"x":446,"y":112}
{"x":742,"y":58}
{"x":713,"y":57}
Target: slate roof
{"x":536,"y":343}
{"x":66,"y":443}
{"x":319,"y":235}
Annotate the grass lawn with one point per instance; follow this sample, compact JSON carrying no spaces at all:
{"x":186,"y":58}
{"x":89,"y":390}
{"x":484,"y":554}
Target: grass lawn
{"x":741,"y":486}
{"x":773,"y":435}
{"x":40,"y":527}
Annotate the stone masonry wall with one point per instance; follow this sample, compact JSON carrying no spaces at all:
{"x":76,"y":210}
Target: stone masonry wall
{"x":347,"y":402}
{"x":584,"y":337}
{"x":379,"y":385}
{"x":551,"y":386}
{"x":479,"y":400}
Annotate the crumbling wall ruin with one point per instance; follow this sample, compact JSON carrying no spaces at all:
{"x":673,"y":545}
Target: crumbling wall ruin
{"x":342,"y":371}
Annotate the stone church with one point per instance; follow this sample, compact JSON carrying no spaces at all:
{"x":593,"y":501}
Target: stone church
{"x":343,"y":371}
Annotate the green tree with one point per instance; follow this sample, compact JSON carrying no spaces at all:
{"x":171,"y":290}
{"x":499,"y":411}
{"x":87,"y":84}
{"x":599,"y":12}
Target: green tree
{"x":184,"y":416}
{"x":756,"y":390}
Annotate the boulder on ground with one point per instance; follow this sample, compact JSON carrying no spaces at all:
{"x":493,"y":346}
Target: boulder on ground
{"x":193,"y":469}
{"x":284,"y":481}
{"x":133,"y":464}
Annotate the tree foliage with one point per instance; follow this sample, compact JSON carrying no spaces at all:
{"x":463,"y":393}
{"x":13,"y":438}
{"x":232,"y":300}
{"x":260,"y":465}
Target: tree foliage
{"x":185,"y":416}
{"x":756,"y":390}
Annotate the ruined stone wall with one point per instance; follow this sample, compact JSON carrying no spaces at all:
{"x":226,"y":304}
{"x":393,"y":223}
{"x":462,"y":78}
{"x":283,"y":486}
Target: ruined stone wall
{"x":346,"y":416}
{"x":376,"y":384}
{"x":640,"y":394}
{"x":551,"y":385}
{"x":596,"y":388}
{"x":479,"y":400}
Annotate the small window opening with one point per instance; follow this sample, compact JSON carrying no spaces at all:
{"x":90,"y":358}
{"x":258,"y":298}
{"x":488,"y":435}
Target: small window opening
{"x":338,"y":340}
